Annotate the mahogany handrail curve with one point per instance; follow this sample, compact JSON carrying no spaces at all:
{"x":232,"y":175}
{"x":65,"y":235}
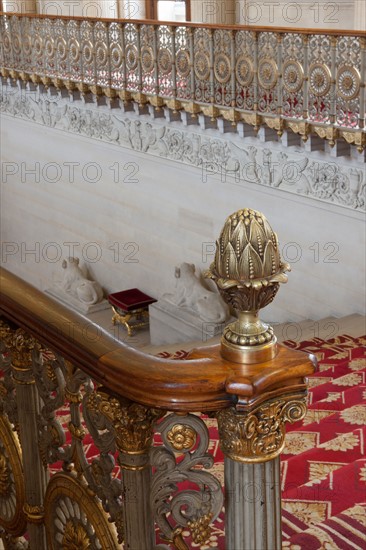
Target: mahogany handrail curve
{"x":205,"y":381}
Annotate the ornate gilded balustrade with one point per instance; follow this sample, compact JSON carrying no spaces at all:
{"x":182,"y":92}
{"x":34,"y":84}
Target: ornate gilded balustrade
{"x":309,"y":82}
{"x":66,"y":385}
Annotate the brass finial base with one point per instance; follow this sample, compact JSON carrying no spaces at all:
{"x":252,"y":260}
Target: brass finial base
{"x":248,"y":340}
{"x":249,"y":354}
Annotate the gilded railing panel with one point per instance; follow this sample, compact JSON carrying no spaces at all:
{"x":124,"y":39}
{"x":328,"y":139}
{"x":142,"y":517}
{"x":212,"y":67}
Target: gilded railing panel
{"x":293,"y":60}
{"x":304,"y":80}
{"x":102,"y":500}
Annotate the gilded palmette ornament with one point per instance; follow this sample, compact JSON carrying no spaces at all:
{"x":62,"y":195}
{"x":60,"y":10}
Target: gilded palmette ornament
{"x":247,"y":271}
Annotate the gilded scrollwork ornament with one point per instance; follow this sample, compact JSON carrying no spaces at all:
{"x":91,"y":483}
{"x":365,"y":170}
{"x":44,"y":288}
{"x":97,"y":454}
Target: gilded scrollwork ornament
{"x":259,"y":434}
{"x":176,"y":510}
{"x":4,"y":477}
{"x":49,"y":376}
{"x":8,"y":405}
{"x":12,"y":489}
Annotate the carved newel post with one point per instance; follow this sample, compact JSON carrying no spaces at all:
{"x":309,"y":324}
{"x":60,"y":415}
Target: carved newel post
{"x":267,"y":382}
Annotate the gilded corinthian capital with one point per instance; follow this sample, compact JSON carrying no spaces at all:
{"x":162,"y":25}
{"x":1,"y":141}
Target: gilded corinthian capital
{"x":259,"y":434}
{"x":130,"y":423}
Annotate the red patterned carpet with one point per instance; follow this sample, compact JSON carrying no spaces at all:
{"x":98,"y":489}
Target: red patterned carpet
{"x":323,"y":464}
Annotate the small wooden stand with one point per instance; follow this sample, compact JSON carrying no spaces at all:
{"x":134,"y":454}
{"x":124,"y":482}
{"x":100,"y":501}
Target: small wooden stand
{"x":130,"y":308}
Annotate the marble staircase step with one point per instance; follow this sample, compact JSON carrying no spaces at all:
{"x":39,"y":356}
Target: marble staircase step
{"x":304,"y":330}
{"x":353,"y":325}
{"x":326,"y":328}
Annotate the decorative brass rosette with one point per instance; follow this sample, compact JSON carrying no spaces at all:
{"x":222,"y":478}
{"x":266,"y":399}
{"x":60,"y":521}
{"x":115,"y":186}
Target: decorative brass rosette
{"x":147,"y":58}
{"x":74,"y":50}
{"x":38,"y":46}
{"x":164,"y":61}
{"x":267,"y":73}
{"x":16,"y":43}
{"x":131,"y":57}
{"x":222,"y":68}
{"x":244,"y":71}
{"x":320,"y":79}
{"x":293,"y":76}
{"x":61,"y":49}
{"x":101,"y":54}
{"x":183,"y":63}
{"x":116,"y":56}
{"x":6,"y":43}
{"x":348,"y":82}
{"x":202,"y":66}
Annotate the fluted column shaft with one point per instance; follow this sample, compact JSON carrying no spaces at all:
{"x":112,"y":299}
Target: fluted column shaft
{"x":136,"y":482}
{"x":253,"y":505}
{"x":252,"y":441}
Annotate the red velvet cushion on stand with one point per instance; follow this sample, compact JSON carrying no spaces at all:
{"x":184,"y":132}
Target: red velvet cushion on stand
{"x":131,"y":299}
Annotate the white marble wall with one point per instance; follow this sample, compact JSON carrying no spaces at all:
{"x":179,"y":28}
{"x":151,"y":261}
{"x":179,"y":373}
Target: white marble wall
{"x":343,"y":14}
{"x":123,"y":9}
{"x":299,"y":13}
{"x":135,"y":216}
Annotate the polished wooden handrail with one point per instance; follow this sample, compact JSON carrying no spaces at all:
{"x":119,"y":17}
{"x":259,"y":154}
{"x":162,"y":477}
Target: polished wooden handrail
{"x":254,"y":28}
{"x":204,"y":382}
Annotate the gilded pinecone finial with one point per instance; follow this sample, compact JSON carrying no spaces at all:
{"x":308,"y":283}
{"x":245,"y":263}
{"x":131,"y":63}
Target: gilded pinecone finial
{"x":247,"y":271}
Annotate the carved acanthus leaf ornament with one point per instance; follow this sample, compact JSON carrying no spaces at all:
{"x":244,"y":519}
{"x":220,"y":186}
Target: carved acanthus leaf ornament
{"x":258,"y":435}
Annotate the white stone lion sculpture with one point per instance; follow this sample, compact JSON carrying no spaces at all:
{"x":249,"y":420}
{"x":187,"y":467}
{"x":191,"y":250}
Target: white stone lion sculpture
{"x":191,"y":294}
{"x":76,"y":283}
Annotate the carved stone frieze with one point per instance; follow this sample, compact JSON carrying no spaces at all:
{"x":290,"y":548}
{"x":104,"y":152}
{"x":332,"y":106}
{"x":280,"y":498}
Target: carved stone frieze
{"x":258,"y":435}
{"x":231,"y":159}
